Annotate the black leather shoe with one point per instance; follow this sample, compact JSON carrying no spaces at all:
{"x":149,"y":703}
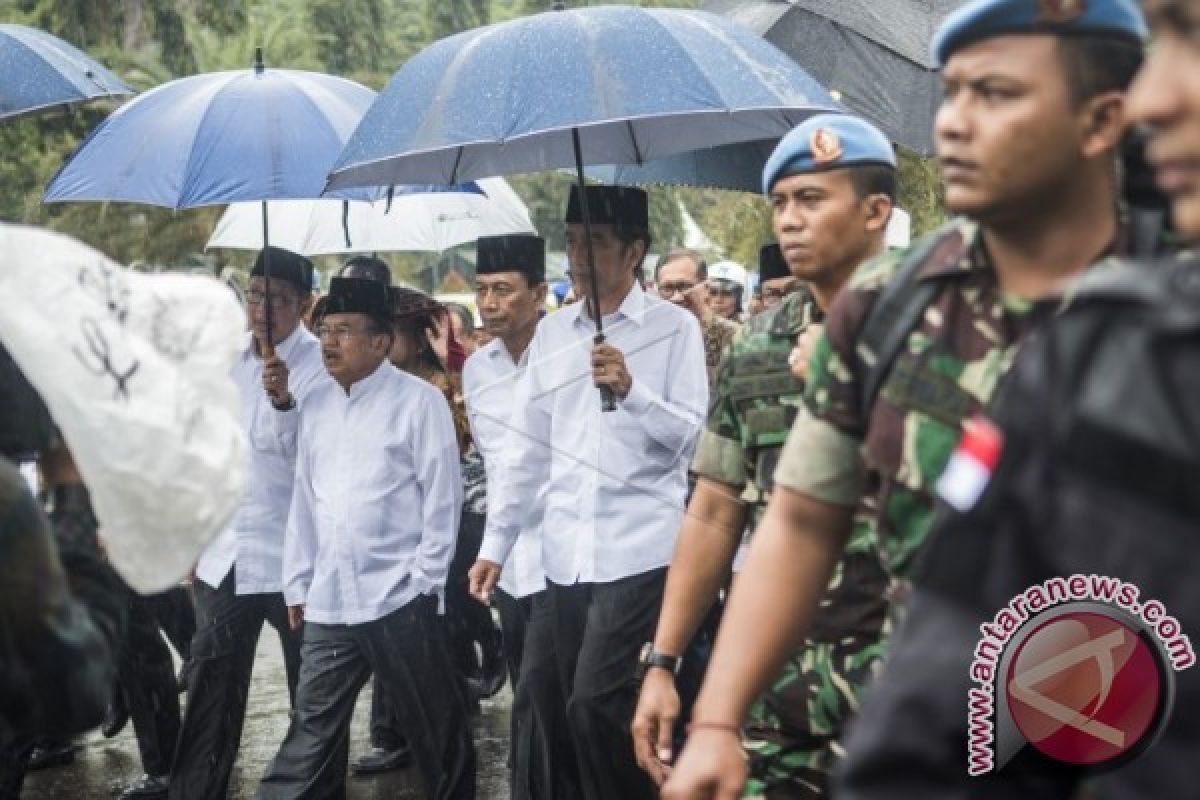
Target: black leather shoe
{"x":51,"y":754}
{"x":147,"y":787}
{"x":380,"y":760}
{"x":115,"y":717}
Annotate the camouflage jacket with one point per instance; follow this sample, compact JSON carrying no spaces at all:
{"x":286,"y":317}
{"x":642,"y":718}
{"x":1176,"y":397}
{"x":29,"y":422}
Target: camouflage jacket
{"x":948,"y":368}
{"x":754,"y":401}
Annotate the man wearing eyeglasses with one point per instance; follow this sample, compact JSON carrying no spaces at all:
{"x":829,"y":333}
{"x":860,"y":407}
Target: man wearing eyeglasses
{"x":371,"y":533}
{"x":682,"y":279}
{"x":239,"y":578}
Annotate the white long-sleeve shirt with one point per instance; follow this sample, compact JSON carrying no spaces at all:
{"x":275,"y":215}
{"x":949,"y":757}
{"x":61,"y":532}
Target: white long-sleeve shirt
{"x":489,"y":381}
{"x":615,"y":483}
{"x":254,"y":538}
{"x":374,"y":517}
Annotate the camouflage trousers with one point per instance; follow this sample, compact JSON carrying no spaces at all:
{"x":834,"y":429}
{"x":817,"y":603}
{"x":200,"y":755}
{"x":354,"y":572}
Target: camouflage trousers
{"x":793,"y":731}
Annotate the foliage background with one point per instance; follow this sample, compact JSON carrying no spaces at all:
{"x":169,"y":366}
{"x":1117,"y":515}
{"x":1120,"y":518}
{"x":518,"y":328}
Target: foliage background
{"x":149,"y":42}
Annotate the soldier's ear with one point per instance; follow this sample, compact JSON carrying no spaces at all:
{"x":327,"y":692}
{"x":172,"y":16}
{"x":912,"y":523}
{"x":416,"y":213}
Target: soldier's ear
{"x":877,"y":210}
{"x":1103,"y":123}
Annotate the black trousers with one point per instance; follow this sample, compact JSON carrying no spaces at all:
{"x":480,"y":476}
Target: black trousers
{"x":407,"y":652}
{"x":468,"y":623}
{"x":537,"y":743}
{"x":227,"y":631}
{"x":598,"y":630}
{"x":175,"y":612}
{"x":146,"y":677}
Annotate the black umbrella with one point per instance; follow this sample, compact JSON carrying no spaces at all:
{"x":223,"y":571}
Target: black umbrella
{"x":874,"y":55}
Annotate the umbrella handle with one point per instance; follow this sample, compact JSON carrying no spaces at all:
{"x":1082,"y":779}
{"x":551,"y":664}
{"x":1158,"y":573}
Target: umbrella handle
{"x":608,"y":400}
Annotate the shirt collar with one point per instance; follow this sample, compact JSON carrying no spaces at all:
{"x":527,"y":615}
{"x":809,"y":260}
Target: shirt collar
{"x":375,"y":379}
{"x":496,"y":350}
{"x":632,"y":308}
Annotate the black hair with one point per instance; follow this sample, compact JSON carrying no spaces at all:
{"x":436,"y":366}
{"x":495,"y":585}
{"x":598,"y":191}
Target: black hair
{"x":1095,"y":65}
{"x":628,"y":234}
{"x":678,"y":253}
{"x":869,"y":179}
{"x":371,"y":267}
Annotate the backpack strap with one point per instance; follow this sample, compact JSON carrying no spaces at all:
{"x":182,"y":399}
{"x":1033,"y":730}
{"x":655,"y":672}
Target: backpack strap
{"x":895,"y":313}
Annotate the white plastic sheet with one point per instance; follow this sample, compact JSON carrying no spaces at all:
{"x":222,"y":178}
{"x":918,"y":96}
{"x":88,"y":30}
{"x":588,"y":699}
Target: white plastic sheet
{"x":135,"y":370}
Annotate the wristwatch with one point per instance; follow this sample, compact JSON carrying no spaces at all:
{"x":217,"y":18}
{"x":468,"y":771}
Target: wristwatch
{"x":650,"y":657}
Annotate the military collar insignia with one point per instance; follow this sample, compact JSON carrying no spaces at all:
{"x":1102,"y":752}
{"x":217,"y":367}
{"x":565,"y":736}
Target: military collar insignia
{"x":826,"y":146}
{"x":1060,"y":12}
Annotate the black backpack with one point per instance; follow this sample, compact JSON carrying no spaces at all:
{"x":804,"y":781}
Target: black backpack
{"x":1099,"y":474}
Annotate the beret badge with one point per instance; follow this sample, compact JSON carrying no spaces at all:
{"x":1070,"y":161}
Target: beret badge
{"x":826,"y":147}
{"x":1060,"y":12}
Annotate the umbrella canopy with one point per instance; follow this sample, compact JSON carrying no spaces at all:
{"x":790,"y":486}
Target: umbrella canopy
{"x":636,"y":84}
{"x":874,"y":55}
{"x":221,"y":137}
{"x":135,"y":370}
{"x":432,"y":221}
{"x":40,"y":71}
{"x":736,"y":167}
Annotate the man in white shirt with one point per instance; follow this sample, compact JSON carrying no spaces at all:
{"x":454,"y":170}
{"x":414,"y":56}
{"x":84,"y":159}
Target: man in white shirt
{"x":370,"y":537}
{"x":613,"y":485}
{"x":239,"y":577}
{"x":510,"y":289}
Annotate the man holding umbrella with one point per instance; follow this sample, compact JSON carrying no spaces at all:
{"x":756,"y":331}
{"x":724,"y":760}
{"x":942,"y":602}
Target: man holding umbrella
{"x":614,"y":483}
{"x":239,"y":578}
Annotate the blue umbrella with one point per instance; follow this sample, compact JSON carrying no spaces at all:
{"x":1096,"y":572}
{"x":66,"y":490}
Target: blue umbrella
{"x":736,"y":167}
{"x":603,"y":85}
{"x":40,"y":71}
{"x":636,"y":84}
{"x":222,"y":137}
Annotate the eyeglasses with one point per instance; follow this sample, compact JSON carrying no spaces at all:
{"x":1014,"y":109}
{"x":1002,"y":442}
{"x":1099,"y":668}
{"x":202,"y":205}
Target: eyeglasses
{"x":341,"y":333}
{"x":278,"y":299}
{"x":500,"y":292}
{"x":672,"y":289}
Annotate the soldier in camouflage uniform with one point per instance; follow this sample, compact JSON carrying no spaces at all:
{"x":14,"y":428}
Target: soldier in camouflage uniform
{"x":860,"y":464}
{"x":755,"y":400}
{"x":1095,"y":406}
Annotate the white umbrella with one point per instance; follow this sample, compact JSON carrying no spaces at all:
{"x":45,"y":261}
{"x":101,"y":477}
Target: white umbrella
{"x":134,"y":369}
{"x":431,"y":221}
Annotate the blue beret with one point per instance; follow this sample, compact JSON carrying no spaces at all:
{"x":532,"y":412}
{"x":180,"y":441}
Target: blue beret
{"x":982,"y":19}
{"x":825,"y":142}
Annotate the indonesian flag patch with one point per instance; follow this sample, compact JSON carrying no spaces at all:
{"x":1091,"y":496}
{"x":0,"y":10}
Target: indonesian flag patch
{"x":971,"y":465}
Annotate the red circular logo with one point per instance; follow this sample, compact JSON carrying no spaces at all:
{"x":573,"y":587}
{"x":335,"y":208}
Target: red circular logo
{"x":1085,"y":688}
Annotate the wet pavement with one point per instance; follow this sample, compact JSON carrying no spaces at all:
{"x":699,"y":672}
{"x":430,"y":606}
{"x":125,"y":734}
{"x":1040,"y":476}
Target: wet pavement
{"x":103,"y":766}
